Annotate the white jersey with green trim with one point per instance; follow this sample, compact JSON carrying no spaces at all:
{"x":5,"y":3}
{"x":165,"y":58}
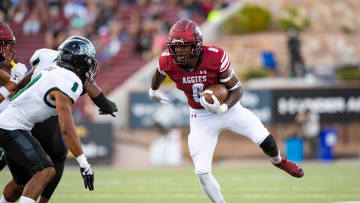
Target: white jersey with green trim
{"x":43,"y":58}
{"x":32,"y":103}
{"x":4,"y":104}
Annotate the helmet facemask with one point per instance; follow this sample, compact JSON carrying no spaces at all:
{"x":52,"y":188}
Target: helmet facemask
{"x":185,"y":32}
{"x":7,"y":50}
{"x":195,"y":51}
{"x":7,"y":43}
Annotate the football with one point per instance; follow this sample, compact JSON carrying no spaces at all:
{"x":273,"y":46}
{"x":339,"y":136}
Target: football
{"x":220,"y":92}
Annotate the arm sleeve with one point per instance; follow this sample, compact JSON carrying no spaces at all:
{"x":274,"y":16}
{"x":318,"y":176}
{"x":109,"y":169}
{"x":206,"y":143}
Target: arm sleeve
{"x":163,"y":62}
{"x":104,"y":103}
{"x":159,"y":69}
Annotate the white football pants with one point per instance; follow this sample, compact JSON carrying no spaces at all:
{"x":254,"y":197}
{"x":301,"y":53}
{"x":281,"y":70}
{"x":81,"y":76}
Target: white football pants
{"x":206,"y":126}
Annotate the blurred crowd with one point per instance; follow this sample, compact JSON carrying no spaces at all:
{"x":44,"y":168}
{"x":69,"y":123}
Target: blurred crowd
{"x":107,"y":23}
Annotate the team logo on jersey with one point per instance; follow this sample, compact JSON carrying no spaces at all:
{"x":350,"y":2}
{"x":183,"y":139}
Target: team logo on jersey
{"x":194,"y":79}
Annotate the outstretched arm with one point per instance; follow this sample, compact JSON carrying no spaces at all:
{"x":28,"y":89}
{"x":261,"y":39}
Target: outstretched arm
{"x":157,"y":79}
{"x":97,"y":96}
{"x":67,"y":127}
{"x":66,"y":122}
{"x":154,"y":93}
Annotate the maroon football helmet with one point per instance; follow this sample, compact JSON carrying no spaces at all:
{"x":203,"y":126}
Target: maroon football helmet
{"x":7,"y":42}
{"x":185,"y":32}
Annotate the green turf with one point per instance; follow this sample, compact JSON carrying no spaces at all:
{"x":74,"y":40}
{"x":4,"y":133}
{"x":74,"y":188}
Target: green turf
{"x":322,"y":183}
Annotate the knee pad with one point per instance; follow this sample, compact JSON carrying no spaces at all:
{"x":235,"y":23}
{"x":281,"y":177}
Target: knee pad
{"x":269,"y":144}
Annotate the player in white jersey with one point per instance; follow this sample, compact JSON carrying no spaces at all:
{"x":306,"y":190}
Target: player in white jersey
{"x":8,"y":82}
{"x":54,"y":145}
{"x":50,"y":93}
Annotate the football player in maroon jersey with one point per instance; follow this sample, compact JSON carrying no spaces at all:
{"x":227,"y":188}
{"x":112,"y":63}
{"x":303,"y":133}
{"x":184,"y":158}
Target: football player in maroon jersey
{"x":194,"y":67}
{"x":7,"y":53}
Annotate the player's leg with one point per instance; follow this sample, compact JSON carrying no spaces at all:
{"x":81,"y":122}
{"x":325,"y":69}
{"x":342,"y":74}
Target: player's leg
{"x":51,"y":186}
{"x":204,"y":131}
{"x":2,"y":158}
{"x":25,"y":150}
{"x":37,"y":183}
{"x":11,"y":192}
{"x":246,"y":123}
{"x":49,"y":135}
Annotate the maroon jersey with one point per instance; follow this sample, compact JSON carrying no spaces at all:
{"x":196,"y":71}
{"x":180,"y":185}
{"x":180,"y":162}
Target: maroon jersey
{"x":214,"y":61}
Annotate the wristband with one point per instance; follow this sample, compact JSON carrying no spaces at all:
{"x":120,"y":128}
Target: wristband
{"x":152,"y":92}
{"x":104,"y":104}
{"x":82,"y":161}
{"x":4,"y":92}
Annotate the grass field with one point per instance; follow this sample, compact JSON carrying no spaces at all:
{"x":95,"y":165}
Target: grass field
{"x":322,"y":183}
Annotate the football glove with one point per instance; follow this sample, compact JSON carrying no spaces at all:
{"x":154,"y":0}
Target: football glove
{"x":158,"y":96}
{"x":2,"y":159}
{"x":18,"y":73}
{"x":111,"y":110}
{"x":215,"y":108}
{"x":106,"y":106}
{"x":88,"y":176}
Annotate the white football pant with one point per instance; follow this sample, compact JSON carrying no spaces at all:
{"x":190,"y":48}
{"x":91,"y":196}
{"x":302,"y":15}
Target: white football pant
{"x":206,"y":126}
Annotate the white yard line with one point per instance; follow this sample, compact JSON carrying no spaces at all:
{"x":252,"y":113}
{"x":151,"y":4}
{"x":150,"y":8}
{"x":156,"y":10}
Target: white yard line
{"x":195,"y":196}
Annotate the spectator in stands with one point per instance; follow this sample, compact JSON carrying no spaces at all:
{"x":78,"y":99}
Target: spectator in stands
{"x":297,"y":65}
{"x":191,"y":7}
{"x":111,"y":41}
{"x":144,"y":39}
{"x":5,"y":6}
{"x":2,"y":16}
{"x":142,"y":23}
{"x":32,"y":24}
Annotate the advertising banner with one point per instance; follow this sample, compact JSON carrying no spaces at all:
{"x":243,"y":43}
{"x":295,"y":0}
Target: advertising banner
{"x":259,"y":102}
{"x":96,"y":140}
{"x":333,"y":104}
{"x":145,"y":113}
